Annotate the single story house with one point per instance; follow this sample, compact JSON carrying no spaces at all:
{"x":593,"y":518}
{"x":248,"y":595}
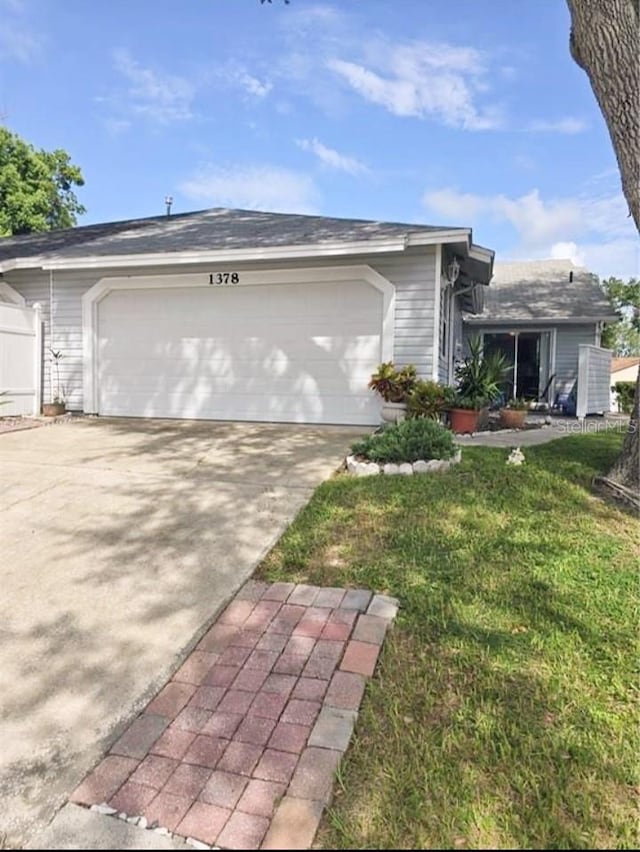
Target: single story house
{"x":624,"y":370}
{"x":539,"y":314}
{"x":245,"y":315}
{"x":236,"y":314}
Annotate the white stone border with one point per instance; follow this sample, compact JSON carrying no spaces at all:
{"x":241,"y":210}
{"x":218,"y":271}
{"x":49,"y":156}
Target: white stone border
{"x":364,"y":468}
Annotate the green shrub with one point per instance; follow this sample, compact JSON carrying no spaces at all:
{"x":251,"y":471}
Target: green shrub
{"x":408,"y":441}
{"x":626,"y":393}
{"x":429,"y":399}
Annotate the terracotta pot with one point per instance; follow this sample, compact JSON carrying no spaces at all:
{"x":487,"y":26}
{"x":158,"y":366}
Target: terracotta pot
{"x":53,"y":409}
{"x":464,"y":420}
{"x":512,"y":418}
{"x":394,"y":412}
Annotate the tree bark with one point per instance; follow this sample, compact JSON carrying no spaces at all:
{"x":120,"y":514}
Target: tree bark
{"x":604,"y":42}
{"x":606,"y":45}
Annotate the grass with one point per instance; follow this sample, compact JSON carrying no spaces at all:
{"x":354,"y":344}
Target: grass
{"x":503,"y":713}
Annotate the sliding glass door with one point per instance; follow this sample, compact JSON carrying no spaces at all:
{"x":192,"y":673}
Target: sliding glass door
{"x":529,"y":356}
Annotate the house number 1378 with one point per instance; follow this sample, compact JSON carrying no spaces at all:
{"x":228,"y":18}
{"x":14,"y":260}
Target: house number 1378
{"x":224,"y":278}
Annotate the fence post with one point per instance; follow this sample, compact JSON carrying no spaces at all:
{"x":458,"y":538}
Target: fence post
{"x":37,"y":359}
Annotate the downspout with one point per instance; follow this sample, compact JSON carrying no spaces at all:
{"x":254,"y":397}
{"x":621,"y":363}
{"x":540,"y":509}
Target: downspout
{"x":452,"y":302}
{"x":435,"y":348}
{"x":455,"y":295}
{"x":51,"y":332}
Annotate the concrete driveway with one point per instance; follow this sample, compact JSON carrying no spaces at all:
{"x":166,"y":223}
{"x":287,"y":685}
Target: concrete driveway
{"x":120,"y":541}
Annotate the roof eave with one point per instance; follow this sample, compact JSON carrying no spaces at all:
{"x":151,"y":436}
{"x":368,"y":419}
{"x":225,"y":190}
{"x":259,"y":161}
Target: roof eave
{"x":216,"y":256}
{"x":580,"y":320}
{"x":327,"y":249}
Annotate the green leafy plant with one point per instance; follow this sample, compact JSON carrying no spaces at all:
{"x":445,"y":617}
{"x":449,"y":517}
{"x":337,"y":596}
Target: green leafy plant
{"x":429,"y":399}
{"x":408,"y":441}
{"x":626,"y":392}
{"x":392,"y":383}
{"x":56,"y":357}
{"x":478,"y":377}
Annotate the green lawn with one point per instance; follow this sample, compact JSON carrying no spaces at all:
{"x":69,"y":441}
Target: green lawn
{"x":504,"y":712}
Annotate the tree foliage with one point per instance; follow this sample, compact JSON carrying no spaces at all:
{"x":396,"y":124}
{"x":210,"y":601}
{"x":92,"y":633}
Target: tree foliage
{"x":623,"y":337}
{"x":36,"y":187}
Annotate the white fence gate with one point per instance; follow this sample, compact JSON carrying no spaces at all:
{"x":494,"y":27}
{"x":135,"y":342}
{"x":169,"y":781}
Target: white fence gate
{"x":20,"y":359}
{"x":594,"y":380}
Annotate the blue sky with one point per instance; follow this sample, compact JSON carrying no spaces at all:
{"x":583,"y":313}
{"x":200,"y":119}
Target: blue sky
{"x":469,"y":114}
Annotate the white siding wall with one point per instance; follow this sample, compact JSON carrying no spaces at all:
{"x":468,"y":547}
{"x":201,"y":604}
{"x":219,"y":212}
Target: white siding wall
{"x":412,"y":273}
{"x":569,"y":338}
{"x":414,"y":278}
{"x":594,"y":370}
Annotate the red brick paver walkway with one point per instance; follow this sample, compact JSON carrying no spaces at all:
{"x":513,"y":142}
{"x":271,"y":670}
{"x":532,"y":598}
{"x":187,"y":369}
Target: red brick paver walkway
{"x":240,"y":748}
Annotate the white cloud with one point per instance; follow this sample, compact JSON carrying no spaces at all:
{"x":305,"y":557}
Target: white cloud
{"x":236,"y":74}
{"x":536,"y":221}
{"x":424,"y":79}
{"x":569,"y":126}
{"x":253,"y":86}
{"x":331,"y":157}
{"x":153,"y":94}
{"x":620,"y":258}
{"x":593,"y":230}
{"x":19,"y":39}
{"x":568,"y":250}
{"x":256,"y":187}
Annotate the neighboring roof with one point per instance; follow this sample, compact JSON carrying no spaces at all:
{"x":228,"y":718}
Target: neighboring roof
{"x":623,"y":363}
{"x":543,"y":290}
{"x":218,"y":229}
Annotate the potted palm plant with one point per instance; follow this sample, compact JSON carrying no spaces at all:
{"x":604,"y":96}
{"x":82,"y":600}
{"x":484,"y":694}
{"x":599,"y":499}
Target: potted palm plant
{"x":58,"y":405}
{"x":478,"y":380}
{"x":394,"y":385}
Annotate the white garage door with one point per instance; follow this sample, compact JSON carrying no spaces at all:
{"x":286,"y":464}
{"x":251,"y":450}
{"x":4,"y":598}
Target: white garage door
{"x":300,"y":353}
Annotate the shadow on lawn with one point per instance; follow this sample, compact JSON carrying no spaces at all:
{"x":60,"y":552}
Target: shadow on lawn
{"x":501,"y":716}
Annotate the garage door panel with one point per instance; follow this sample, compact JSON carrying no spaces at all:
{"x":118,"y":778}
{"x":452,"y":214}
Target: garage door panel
{"x":221,"y":372}
{"x":220,"y":407}
{"x":207,"y":354}
{"x":300,"y":353}
{"x":237,"y":385}
{"x":278,"y":302}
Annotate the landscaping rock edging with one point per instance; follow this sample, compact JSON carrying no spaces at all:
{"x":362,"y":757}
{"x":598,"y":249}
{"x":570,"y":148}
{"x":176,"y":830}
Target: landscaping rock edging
{"x":364,"y":468}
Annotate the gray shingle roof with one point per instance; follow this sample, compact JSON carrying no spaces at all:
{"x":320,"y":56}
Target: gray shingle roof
{"x":214,"y":229}
{"x":541,"y":290}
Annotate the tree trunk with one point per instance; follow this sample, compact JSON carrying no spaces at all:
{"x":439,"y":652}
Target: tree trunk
{"x":605,"y":43}
{"x":626,"y":471}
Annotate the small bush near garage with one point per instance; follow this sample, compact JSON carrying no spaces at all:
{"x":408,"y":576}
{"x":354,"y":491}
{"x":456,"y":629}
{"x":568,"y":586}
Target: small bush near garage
{"x":408,"y":441}
{"x":429,"y":399}
{"x":625,"y":392}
